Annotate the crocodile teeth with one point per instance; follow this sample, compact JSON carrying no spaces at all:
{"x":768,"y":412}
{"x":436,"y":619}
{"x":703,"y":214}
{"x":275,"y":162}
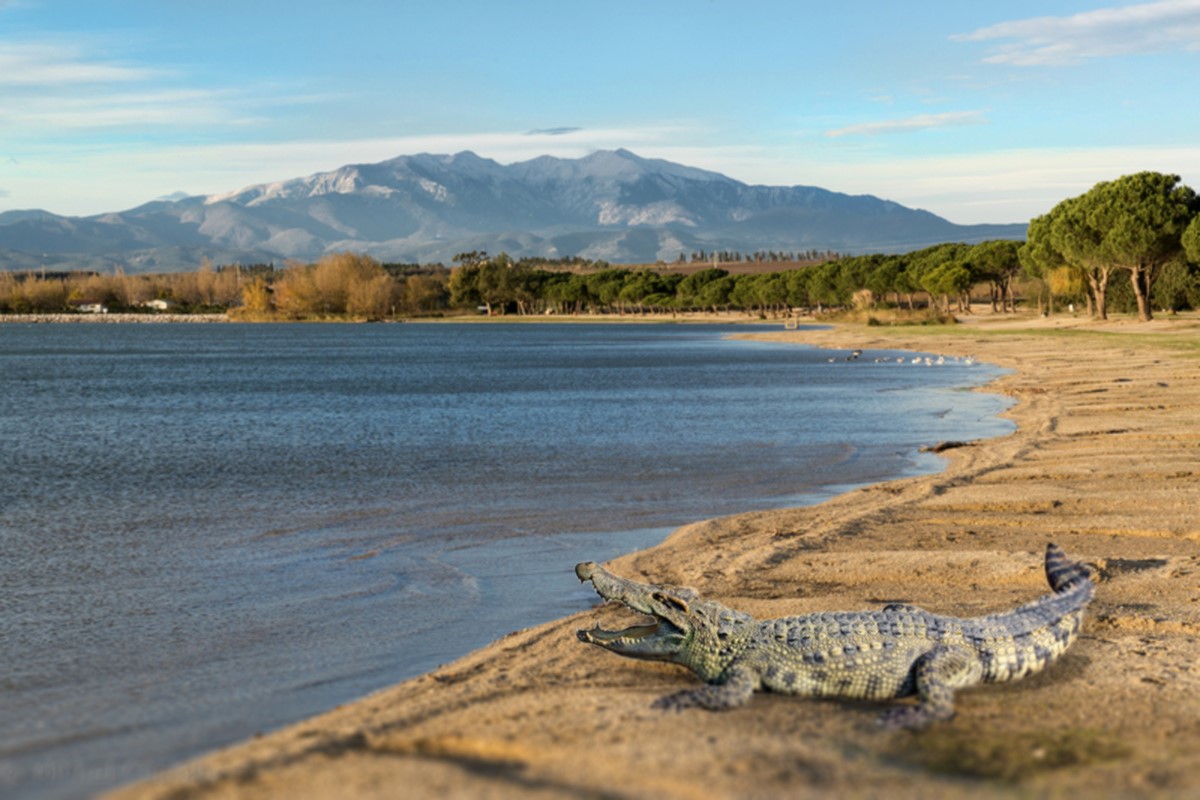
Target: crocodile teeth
{"x":635,"y":632}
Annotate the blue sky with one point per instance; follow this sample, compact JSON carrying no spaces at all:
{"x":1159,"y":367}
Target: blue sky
{"x":979,"y":112}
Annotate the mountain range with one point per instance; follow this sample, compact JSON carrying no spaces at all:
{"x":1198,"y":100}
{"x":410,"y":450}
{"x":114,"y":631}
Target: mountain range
{"x":610,"y":205}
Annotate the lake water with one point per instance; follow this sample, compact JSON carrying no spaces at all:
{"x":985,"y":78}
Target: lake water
{"x":212,"y":530}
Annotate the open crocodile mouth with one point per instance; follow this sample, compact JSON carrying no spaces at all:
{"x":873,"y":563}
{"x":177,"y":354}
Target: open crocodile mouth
{"x":633,"y":632}
{"x":656,"y":635}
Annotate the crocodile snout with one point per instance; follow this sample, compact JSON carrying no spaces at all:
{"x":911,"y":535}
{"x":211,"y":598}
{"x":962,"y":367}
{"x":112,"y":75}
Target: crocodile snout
{"x":585,"y":570}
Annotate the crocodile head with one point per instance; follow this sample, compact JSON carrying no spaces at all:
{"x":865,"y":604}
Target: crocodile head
{"x":682,"y":627}
{"x":660,"y":638}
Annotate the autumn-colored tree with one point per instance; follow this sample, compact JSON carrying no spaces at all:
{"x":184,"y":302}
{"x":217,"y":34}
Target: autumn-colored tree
{"x":332,"y":277}
{"x":105,"y":289}
{"x":352,"y":283}
{"x":1065,"y":282}
{"x":206,"y":283}
{"x":10,"y":291}
{"x":227,"y":286}
{"x":256,"y":297}
{"x":29,"y":294}
{"x":45,"y":296}
{"x":371,"y":297}
{"x":296,"y":294}
{"x":342,"y":283}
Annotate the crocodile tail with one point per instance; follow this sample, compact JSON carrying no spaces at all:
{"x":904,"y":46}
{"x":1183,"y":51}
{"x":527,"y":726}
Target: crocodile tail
{"x":1063,"y":573}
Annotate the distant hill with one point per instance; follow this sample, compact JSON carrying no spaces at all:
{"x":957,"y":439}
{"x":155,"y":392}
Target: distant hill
{"x":610,"y":205}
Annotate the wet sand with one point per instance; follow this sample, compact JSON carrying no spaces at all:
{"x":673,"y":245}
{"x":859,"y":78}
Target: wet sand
{"x":1105,"y":462}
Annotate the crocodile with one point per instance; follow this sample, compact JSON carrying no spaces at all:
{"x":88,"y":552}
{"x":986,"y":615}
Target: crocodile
{"x":899,"y":651}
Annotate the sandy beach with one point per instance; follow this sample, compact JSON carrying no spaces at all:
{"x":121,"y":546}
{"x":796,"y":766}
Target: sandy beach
{"x":1105,"y":461}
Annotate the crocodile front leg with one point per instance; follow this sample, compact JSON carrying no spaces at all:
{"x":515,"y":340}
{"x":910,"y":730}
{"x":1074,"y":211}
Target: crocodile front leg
{"x":735,"y":691}
{"x":937,"y":675}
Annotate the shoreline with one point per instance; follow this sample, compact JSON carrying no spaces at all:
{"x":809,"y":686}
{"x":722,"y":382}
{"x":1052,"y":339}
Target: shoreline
{"x":1103,"y":461}
{"x":67,"y":319}
{"x":699,"y":317}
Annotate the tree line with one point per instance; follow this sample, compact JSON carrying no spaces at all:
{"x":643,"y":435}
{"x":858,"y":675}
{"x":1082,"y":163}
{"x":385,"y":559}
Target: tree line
{"x":757,"y":257}
{"x":946,"y":273}
{"x":1145,"y":225}
{"x":341,"y":284}
{"x":206,"y":289}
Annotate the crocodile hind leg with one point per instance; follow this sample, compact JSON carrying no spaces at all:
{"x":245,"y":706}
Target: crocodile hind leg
{"x":735,"y":691}
{"x":937,"y":675}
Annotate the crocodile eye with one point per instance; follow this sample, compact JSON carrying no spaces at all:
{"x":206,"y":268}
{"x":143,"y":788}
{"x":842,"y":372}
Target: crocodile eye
{"x":673,"y":602}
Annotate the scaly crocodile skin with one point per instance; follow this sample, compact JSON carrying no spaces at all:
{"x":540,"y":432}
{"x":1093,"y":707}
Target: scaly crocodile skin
{"x":899,"y":651}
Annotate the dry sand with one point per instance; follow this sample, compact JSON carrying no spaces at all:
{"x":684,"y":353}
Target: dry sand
{"x":1105,"y":461}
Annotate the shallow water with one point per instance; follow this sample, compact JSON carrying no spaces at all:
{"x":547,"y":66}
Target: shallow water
{"x":207,"y":531}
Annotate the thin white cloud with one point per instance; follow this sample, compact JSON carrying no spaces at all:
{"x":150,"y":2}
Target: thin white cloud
{"x":997,"y":186}
{"x":63,"y":86}
{"x":993,"y":187}
{"x":907,"y":124}
{"x":120,"y":177}
{"x":92,"y":111}
{"x":68,"y":86}
{"x":56,"y":64}
{"x":1164,"y":26}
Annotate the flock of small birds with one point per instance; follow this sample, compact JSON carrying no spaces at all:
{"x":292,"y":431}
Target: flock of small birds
{"x":929,"y":361}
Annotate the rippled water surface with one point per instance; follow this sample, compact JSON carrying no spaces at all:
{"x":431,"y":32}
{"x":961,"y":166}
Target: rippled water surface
{"x":211,"y":530}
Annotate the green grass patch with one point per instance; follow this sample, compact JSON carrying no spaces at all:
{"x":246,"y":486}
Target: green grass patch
{"x":1183,"y":342}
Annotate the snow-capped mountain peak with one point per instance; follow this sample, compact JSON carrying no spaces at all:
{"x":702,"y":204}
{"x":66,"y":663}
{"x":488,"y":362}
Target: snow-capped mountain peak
{"x":613,"y":204}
